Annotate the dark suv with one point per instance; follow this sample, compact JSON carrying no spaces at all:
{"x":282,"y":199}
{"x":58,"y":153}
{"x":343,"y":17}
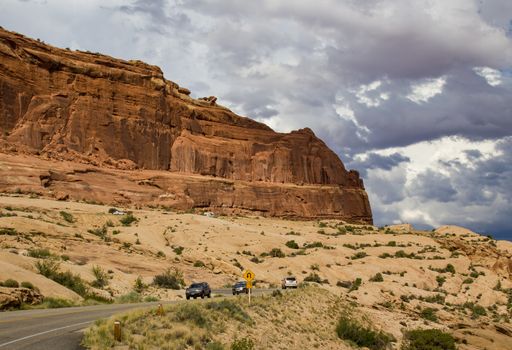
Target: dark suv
{"x":201,"y":289}
{"x":240,"y":287}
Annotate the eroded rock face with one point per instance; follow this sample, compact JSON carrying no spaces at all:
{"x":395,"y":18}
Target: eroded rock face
{"x":94,"y":109}
{"x":13,"y":298}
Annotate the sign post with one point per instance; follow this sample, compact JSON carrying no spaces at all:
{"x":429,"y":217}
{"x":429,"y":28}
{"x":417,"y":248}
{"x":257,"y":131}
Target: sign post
{"x":248,"y":275}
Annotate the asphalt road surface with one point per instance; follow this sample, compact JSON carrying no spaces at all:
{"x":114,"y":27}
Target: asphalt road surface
{"x":62,"y":329}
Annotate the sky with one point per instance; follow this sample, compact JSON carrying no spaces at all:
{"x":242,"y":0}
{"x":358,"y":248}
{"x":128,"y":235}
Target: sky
{"x":414,"y":94}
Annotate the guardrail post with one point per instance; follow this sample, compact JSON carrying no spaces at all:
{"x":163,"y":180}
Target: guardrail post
{"x":117,"y":331}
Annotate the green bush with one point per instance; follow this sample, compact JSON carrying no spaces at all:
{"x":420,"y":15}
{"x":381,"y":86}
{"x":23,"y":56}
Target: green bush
{"x":128,"y":219}
{"x":191,"y":313}
{"x":429,"y":314}
{"x":178,"y":250}
{"x":101,"y":277}
{"x":242,"y":344}
{"x":56,"y":303}
{"x":129,"y":298}
{"x":100,"y":232}
{"x":50,"y":269}
{"x":428,"y":339}
{"x":352,"y":331}
{"x":313,"y":277}
{"x":67,"y":217}
{"x":476,"y":310}
{"x":359,"y":255}
{"x":39,"y":253}
{"x":170,"y":279}
{"x":377,"y":278}
{"x":139,"y":285}
{"x":292,"y":244}
{"x":198,"y":263}
{"x":230,"y":309}
{"x":277,"y":253}
{"x":10,"y":283}
{"x":215,"y":345}
{"x":27,"y":285}
{"x":356,"y":284}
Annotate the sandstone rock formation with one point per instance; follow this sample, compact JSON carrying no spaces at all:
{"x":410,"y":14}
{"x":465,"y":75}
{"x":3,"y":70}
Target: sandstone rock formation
{"x":13,"y":298}
{"x":90,"y":108}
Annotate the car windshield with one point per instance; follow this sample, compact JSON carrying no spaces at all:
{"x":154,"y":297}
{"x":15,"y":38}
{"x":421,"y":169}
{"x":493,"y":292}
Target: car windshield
{"x":195,"y":285}
{"x":290,"y":278}
{"x":240,"y":284}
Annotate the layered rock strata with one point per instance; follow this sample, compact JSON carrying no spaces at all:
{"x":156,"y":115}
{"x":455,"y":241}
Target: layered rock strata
{"x":114,"y":114}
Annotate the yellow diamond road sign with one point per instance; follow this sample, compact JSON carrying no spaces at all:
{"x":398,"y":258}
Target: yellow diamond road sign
{"x":248,"y":275}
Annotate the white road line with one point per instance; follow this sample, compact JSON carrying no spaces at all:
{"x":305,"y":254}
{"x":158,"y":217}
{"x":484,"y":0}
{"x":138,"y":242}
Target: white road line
{"x":41,"y":333}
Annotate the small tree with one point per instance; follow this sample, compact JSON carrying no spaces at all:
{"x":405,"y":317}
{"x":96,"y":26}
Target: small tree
{"x":172,"y":278}
{"x":139,"y":285}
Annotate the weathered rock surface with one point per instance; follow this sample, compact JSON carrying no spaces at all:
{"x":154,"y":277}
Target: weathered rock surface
{"x":13,"y":298}
{"x":93,"y":109}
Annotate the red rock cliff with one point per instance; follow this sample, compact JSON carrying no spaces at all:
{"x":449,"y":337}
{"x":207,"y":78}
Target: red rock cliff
{"x":91,"y":108}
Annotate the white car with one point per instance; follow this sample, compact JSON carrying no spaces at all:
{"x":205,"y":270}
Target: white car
{"x":289,"y":282}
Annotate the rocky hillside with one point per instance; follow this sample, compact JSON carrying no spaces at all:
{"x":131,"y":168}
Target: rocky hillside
{"x":397,"y":277}
{"x":93,"y":109}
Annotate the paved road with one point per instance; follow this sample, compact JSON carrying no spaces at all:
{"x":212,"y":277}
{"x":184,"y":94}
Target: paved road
{"x":61,"y":329}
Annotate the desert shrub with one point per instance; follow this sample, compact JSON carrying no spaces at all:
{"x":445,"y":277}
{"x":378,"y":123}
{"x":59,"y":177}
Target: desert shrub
{"x":440,"y":280}
{"x":129,"y":298}
{"x":438,"y":298}
{"x":100,"y":232}
{"x":377,"y":278}
{"x":178,"y":250}
{"x":428,"y":339}
{"x":322,"y":224}
{"x":40,"y":253}
{"x":128,"y":219}
{"x":56,"y":303}
{"x":139,"y":285}
{"x":101,"y":277}
{"x":27,"y":285}
{"x":313,"y":277}
{"x":276,"y":253}
{"x":71,"y":281}
{"x":476,"y":310}
{"x":170,"y":279}
{"x":10,"y":283}
{"x":109,"y":223}
{"x":198,"y":263}
{"x":315,"y":267}
{"x":67,"y":217}
{"x":467,"y":281}
{"x":230,"y":309}
{"x":313,"y":245}
{"x":391,"y":244}
{"x":64,"y":257}
{"x":150,"y":298}
{"x":242,"y":344}
{"x":9,"y":231}
{"x":429,"y":314}
{"x":277,"y":293}
{"x":354,"y":332}
{"x":450,"y":268}
{"x":191,"y":313}
{"x":356,"y":284}
{"x":385,"y":256}
{"x":358,"y":255}
{"x":214,"y":345}
{"x":350,"y":246}
{"x":256,"y":260}
{"x":160,"y":254}
{"x":48,"y":267}
{"x":292,"y":244}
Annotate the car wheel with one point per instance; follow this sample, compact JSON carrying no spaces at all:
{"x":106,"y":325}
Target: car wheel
{"x":247,"y":291}
{"x":209,"y":295}
{"x":188,"y":297}
{"x":202,"y":296}
{"x":284,"y":287}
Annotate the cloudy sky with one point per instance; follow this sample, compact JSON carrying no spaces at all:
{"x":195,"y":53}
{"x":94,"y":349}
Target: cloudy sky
{"x":416,"y":95}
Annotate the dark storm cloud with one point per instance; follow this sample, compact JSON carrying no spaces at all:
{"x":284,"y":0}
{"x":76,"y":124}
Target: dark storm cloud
{"x":433,"y":186}
{"x":377,"y":161}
